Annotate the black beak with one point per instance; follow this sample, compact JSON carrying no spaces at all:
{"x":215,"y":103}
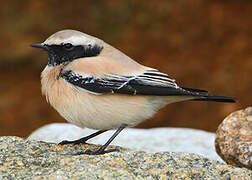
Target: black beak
{"x":41,"y":46}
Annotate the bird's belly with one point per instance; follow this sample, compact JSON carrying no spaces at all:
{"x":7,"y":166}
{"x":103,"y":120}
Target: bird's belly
{"x":98,"y":111}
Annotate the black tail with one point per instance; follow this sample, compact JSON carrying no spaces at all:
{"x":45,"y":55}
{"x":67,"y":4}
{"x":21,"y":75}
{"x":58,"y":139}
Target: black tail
{"x":215,"y":98}
{"x":194,"y":90}
{"x":201,"y":95}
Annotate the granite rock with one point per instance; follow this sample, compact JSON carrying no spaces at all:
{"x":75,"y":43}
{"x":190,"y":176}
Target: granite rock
{"x":234,"y":138}
{"x":22,"y":159}
{"x":149,"y":140}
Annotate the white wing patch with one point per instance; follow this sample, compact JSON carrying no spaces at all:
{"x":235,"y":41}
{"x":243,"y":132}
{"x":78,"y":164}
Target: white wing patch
{"x":150,"y":77}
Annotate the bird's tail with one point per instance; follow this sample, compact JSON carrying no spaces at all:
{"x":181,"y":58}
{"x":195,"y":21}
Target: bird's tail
{"x":215,"y":98}
{"x":201,"y":95}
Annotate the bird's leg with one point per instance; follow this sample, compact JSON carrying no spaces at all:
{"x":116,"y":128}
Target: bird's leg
{"x":84,"y":139}
{"x":101,"y":150}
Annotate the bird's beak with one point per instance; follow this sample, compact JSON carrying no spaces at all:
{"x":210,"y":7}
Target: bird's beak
{"x":41,"y":46}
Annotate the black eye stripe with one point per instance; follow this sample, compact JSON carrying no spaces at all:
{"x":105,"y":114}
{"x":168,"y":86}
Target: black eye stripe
{"x":68,"y":52}
{"x":68,"y":46}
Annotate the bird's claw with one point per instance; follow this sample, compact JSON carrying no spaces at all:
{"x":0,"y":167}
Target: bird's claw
{"x":72,"y":142}
{"x":95,"y":152}
{"x":64,"y":142}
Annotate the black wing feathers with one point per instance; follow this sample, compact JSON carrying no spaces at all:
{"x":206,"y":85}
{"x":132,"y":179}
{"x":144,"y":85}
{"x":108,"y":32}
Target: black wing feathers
{"x":89,"y":83}
{"x":122,"y":85}
{"x":145,"y":84}
{"x":194,"y":90}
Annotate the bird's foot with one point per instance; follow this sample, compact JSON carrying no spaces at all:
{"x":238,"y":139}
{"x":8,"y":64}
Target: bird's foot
{"x":79,"y":141}
{"x":82,"y":140}
{"x":96,"y":152}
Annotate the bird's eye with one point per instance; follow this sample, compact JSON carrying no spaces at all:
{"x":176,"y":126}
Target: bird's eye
{"x":68,"y":46}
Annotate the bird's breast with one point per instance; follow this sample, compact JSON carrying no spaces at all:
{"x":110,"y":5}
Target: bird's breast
{"x":62,"y":95}
{"x":59,"y":93}
{"x":107,"y":111}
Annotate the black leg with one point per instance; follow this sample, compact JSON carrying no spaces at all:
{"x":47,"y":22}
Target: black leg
{"x":101,"y":150}
{"x":84,"y":139}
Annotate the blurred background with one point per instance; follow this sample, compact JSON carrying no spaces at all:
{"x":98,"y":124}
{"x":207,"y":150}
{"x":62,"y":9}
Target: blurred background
{"x":202,"y":44}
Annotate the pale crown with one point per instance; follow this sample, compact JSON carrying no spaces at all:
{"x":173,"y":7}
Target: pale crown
{"x":71,"y":36}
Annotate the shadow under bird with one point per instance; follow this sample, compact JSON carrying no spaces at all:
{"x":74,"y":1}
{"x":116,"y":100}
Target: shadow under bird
{"x":92,"y":84}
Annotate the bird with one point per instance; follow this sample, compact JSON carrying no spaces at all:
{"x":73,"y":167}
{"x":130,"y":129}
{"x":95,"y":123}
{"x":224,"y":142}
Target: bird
{"x":92,"y":84}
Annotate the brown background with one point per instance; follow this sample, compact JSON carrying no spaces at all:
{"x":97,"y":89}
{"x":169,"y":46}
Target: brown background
{"x":203,"y":44}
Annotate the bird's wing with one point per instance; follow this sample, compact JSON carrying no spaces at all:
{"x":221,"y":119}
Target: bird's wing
{"x":150,"y":82}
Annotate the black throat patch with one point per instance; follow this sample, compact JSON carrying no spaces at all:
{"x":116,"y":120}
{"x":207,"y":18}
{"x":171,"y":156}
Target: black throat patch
{"x":58,"y":54}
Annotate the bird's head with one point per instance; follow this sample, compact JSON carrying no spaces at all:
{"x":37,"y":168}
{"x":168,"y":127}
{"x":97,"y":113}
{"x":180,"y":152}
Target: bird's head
{"x":69,"y":45}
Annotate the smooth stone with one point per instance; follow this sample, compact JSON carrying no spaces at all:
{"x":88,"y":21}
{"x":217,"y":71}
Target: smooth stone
{"x":234,"y":138}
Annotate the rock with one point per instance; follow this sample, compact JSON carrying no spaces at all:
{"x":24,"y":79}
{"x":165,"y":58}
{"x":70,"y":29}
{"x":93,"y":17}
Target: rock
{"x":20,"y":159}
{"x":150,"y":140}
{"x":234,"y":138}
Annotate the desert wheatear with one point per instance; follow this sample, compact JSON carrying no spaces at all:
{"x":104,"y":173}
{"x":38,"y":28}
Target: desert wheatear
{"x":92,"y":84}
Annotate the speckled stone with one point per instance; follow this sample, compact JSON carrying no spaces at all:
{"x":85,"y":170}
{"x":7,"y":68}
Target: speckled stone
{"x":150,"y":140}
{"x":20,"y":159}
{"x":234,"y":139}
